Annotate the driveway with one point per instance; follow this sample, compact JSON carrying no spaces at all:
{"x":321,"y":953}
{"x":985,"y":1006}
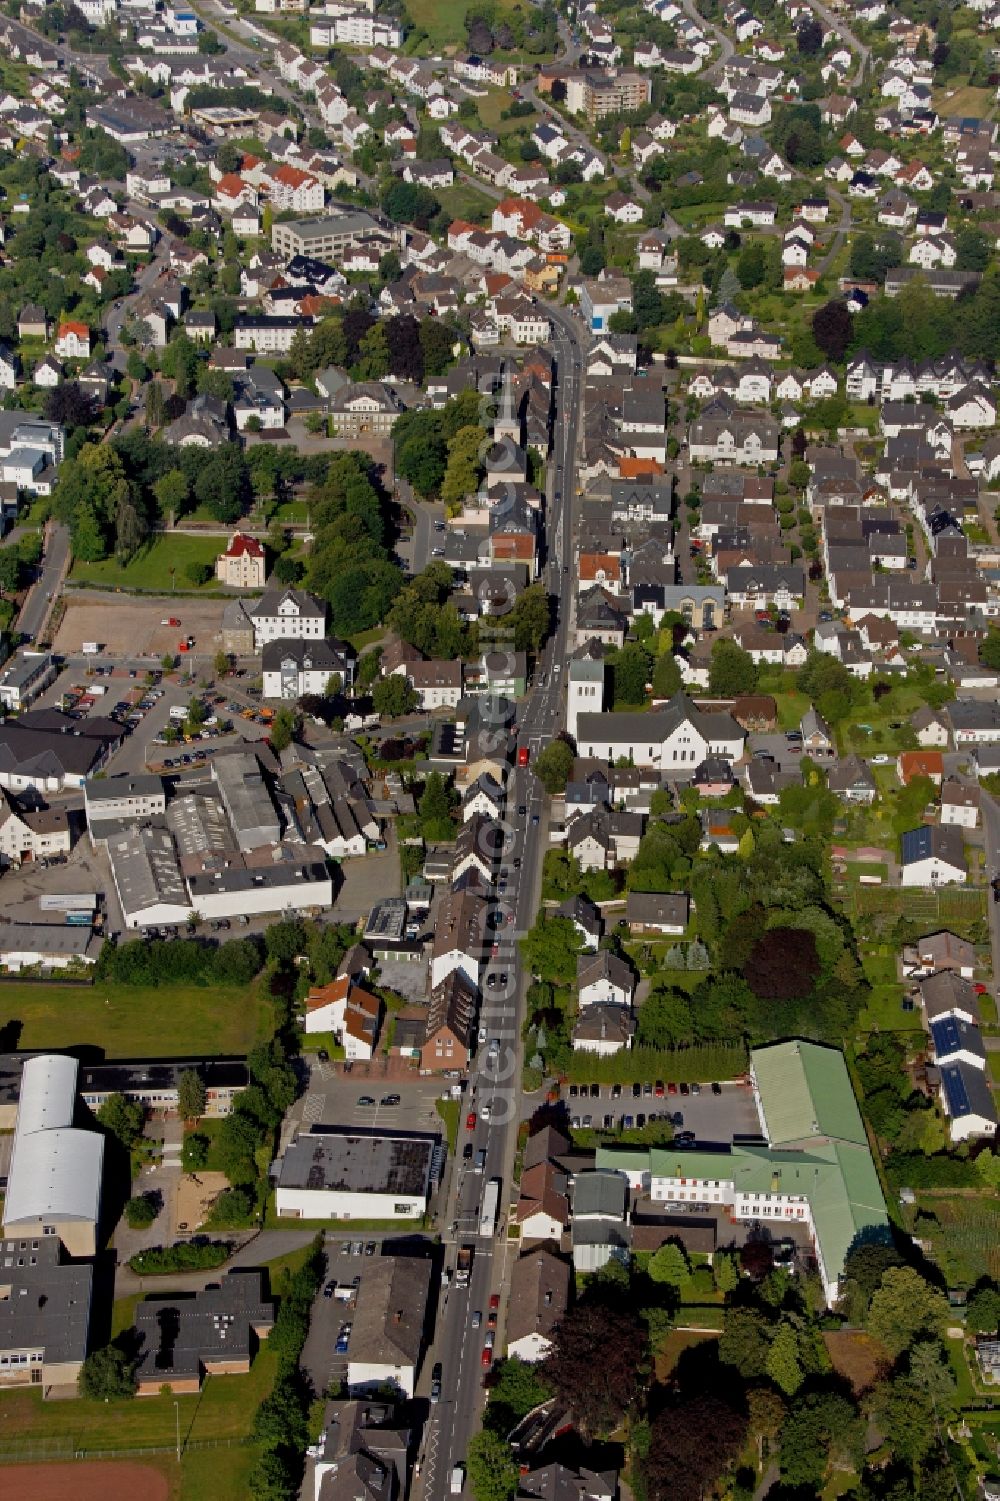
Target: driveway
{"x":39,"y":600}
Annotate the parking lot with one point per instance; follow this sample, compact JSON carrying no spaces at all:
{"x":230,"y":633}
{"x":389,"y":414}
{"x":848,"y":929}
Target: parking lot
{"x":347,"y":1256}
{"x":715,"y":1119}
{"x":333,"y":1096}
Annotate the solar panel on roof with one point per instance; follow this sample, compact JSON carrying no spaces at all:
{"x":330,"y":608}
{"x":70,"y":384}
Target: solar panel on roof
{"x":955,"y":1092}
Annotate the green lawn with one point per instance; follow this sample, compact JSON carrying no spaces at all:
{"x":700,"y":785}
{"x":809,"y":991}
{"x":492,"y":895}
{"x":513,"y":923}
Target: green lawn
{"x":462,"y":201}
{"x":223,"y":1409}
{"x":448,"y":1110}
{"x":130,"y":1023}
{"x":443,"y":20}
{"x":150,"y":569}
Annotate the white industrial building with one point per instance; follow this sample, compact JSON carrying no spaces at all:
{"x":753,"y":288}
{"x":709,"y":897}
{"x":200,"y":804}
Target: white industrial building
{"x":147,"y":877}
{"x":54,"y":1182}
{"x":233,"y":888}
{"x":332,"y":1173}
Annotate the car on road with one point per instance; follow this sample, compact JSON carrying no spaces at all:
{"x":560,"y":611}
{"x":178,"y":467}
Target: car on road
{"x":470,"y":1120}
{"x":494,"y":1306}
{"x":370,"y":1248}
{"x":486,"y":1110}
{"x":522,"y":810}
{"x":486,"y":1359}
{"x":477,"y":1317}
{"x":467,"y":1152}
{"x":490,"y":1339}
{"x":716,"y":1087}
{"x":436,"y":1383}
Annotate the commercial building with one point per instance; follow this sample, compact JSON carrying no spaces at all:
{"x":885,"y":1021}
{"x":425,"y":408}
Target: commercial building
{"x":113,"y":801}
{"x":182,"y":1339}
{"x":236,"y":887}
{"x":47,"y":946}
{"x":147,"y":877}
{"x":47,"y":751}
{"x":154,"y":1082}
{"x":390,"y":1315}
{"x":285,"y":615}
{"x":24,"y":677}
{"x":44,"y":1315}
{"x":814,"y":1168}
{"x":330,"y":236}
{"x":335,"y":1173}
{"x":31,"y":833}
{"x":247,"y":800}
{"x":294,"y":668}
{"x":54,"y":1182}
{"x":243,"y":564}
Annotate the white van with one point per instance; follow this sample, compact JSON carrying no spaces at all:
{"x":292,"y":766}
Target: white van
{"x":91,"y":648}
{"x":457,"y":1480}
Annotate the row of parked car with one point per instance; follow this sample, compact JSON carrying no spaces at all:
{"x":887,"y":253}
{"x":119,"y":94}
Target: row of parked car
{"x":657,"y":1090}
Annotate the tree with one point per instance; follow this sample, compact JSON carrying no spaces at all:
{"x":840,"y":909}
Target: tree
{"x":197,"y":573}
{"x":732,"y":671}
{"x":821,"y":1428}
{"x":531,"y":618}
{"x":630,"y":672}
{"x":171,"y":492}
{"x":122,"y":1118}
{"x":191,"y":1095}
{"x":493,"y":1472}
{"x":107,"y":1375}
{"x":553,"y":766}
{"x":10,"y":570}
{"x":809,"y":37}
{"x":550,"y":949}
{"x":463,"y":471}
{"x":972,"y":249}
{"x":783,"y":964}
{"x":783,"y":1363}
{"x":666,"y":676}
{"x":393,"y":696}
{"x":141,"y":1211}
{"x":691,"y":1444}
{"x":982,"y":1312}
{"x":832,"y":328}
{"x":751,"y":267}
{"x":905,"y":1307}
{"x":516,"y":1389}
{"x":669,"y":1265}
{"x":221,"y":663}
{"x":282,"y":731}
{"x":596,"y":1350}
{"x":664,"y":1019}
{"x":435,"y":809}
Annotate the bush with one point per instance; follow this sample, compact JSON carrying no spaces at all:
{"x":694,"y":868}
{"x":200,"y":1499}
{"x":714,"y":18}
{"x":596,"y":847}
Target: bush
{"x":141,"y":1211}
{"x":197,"y":573}
{"x":232,"y":1210}
{"x":107,"y":1375}
{"x":187,"y":1256}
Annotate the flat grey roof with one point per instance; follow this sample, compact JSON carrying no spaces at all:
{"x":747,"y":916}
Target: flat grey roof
{"x":336,"y":1159}
{"x":107,"y":789}
{"x":44,"y":1304}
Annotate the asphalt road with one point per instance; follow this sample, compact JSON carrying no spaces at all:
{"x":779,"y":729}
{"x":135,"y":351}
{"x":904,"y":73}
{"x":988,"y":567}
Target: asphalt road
{"x":991,"y":834}
{"x":495,"y":1091}
{"x":33,"y":612}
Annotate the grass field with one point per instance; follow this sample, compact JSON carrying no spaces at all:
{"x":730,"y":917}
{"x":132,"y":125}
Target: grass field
{"x":130,"y":1023}
{"x":965,"y":1241}
{"x":465,"y":202}
{"x":150,"y":569}
{"x":964,"y":101}
{"x":443,"y":20}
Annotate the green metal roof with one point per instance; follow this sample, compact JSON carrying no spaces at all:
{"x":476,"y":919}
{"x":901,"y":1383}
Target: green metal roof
{"x":806,"y":1094}
{"x":623,"y":1159}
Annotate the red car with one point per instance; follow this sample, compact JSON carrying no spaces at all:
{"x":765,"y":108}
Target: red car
{"x":494,"y":1300}
{"x":658,"y":1089}
{"x":671,"y":1089}
{"x":981,"y":990}
{"x":487,"y":1358}
{"x":470,"y":1120}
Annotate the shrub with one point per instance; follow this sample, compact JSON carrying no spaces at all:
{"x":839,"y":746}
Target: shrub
{"x":187,"y":1256}
{"x":141,"y":1211}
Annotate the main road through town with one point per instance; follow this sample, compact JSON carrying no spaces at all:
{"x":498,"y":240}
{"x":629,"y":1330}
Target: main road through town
{"x":495,"y":1085}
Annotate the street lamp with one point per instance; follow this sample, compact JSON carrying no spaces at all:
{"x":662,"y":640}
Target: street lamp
{"x":177,"y":1425}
